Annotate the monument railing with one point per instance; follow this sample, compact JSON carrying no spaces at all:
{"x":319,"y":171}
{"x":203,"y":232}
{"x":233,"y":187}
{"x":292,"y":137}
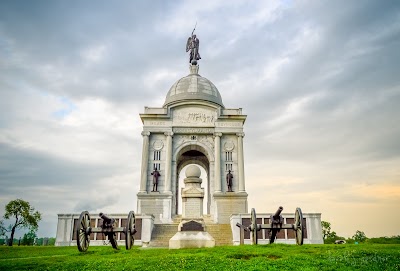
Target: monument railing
{"x":311,"y":221}
{"x":66,"y":230}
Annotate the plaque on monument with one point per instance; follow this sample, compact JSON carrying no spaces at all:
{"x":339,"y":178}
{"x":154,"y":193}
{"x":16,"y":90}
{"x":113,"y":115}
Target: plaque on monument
{"x":192,"y":226}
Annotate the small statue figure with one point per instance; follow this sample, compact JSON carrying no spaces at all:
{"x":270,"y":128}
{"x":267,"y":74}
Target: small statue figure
{"x":155,"y":174}
{"x":229,"y":178}
{"x":192,"y":44}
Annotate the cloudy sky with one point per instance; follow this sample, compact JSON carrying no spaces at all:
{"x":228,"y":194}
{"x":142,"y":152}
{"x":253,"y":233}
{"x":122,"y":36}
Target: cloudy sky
{"x":319,"y":81}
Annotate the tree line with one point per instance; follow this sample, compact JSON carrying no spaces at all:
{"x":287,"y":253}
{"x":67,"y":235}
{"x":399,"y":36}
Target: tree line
{"x":330,"y":237}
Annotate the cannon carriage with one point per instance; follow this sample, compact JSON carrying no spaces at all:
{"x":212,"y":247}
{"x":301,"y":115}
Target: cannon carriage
{"x":108,"y":228}
{"x":276,"y":224}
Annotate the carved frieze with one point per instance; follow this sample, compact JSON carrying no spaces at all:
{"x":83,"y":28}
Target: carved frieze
{"x":197,"y":116}
{"x":207,"y":140}
{"x":181,"y":130}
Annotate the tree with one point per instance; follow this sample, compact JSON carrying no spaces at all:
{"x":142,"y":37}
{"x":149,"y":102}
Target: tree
{"x":359,"y":236}
{"x":326,"y":230}
{"x":25,"y":216}
{"x":29,"y":238}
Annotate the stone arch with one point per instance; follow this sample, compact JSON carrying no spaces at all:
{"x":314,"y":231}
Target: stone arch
{"x":194,"y":145}
{"x":192,"y":152}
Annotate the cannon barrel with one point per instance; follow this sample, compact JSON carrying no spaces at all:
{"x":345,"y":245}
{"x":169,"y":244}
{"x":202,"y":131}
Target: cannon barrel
{"x":278,"y":212}
{"x":106,"y":219}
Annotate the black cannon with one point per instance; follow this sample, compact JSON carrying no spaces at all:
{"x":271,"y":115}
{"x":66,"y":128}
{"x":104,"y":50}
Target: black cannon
{"x":108,"y":228}
{"x":276,"y":224}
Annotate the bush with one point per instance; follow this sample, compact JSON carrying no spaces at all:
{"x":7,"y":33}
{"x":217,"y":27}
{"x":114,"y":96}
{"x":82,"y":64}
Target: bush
{"x":384,"y":240}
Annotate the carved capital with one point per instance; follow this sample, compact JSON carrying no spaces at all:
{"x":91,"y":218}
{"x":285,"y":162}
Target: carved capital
{"x":145,"y":133}
{"x":169,"y":134}
{"x":217,"y":134}
{"x":240,"y":134}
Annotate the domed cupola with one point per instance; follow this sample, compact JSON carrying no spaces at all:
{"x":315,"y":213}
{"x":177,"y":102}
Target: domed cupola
{"x":193,"y":87}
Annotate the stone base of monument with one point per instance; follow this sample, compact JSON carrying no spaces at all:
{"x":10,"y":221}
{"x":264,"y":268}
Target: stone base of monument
{"x":191,"y":234}
{"x":191,"y":239}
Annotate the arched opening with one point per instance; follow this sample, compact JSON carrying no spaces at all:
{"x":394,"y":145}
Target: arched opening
{"x":204,"y":185}
{"x":189,"y":155}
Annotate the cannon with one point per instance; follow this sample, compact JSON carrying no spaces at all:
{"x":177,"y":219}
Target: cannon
{"x":276,"y":224}
{"x":108,"y":228}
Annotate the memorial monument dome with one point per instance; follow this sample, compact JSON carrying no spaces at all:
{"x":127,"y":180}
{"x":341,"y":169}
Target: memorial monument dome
{"x":193,"y":87}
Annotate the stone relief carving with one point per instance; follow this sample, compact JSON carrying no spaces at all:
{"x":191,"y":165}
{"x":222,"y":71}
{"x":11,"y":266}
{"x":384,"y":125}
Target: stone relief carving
{"x":229,"y":145}
{"x":158,"y":145}
{"x":194,"y":116}
{"x":207,"y":140}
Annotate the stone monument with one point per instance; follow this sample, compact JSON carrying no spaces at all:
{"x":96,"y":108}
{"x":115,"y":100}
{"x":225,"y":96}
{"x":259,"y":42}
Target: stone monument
{"x":193,"y":127}
{"x":192,"y":229}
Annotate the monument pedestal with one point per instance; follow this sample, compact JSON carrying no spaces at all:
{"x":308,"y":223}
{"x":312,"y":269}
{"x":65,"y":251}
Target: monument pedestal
{"x":228,"y":203}
{"x":191,"y":239}
{"x":191,"y":234}
{"x":191,"y":229}
{"x":158,"y":204}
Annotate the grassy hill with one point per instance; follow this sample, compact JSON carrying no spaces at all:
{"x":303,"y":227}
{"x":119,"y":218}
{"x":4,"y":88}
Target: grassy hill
{"x":262,"y":257}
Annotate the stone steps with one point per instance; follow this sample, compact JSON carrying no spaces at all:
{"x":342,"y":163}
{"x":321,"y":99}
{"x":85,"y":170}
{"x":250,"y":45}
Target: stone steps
{"x":222,"y":233}
{"x":162,"y":233}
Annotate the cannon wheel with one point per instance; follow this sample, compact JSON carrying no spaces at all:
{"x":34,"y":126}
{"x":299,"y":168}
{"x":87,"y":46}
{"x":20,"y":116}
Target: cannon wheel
{"x":253,"y":226}
{"x":83,"y":231}
{"x":298,"y":226}
{"x":113,"y":239}
{"x":130,"y":230}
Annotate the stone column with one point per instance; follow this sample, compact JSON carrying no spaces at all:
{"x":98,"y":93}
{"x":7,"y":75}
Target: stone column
{"x":217,"y":164}
{"x":168,"y":163}
{"x":145,"y":162}
{"x":241,"y":162}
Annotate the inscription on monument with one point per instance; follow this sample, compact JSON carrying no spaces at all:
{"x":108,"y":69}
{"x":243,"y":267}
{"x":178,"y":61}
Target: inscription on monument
{"x":228,"y":124}
{"x":193,"y":130}
{"x":192,"y":226}
{"x":156,"y":123}
{"x":195,"y":116}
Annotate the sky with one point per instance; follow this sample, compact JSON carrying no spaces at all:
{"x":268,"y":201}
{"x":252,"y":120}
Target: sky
{"x":319,"y":82}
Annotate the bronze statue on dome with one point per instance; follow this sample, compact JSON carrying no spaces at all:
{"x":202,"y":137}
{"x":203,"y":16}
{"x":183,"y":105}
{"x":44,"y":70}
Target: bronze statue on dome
{"x":192,"y":45}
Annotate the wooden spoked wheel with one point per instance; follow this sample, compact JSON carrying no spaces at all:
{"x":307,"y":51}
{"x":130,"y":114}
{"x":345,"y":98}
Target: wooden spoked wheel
{"x":83,"y":231}
{"x":130,"y":230}
{"x":253,"y":227}
{"x":299,"y":226}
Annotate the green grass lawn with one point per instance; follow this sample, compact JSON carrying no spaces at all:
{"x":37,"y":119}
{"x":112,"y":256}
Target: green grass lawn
{"x":262,"y":257}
